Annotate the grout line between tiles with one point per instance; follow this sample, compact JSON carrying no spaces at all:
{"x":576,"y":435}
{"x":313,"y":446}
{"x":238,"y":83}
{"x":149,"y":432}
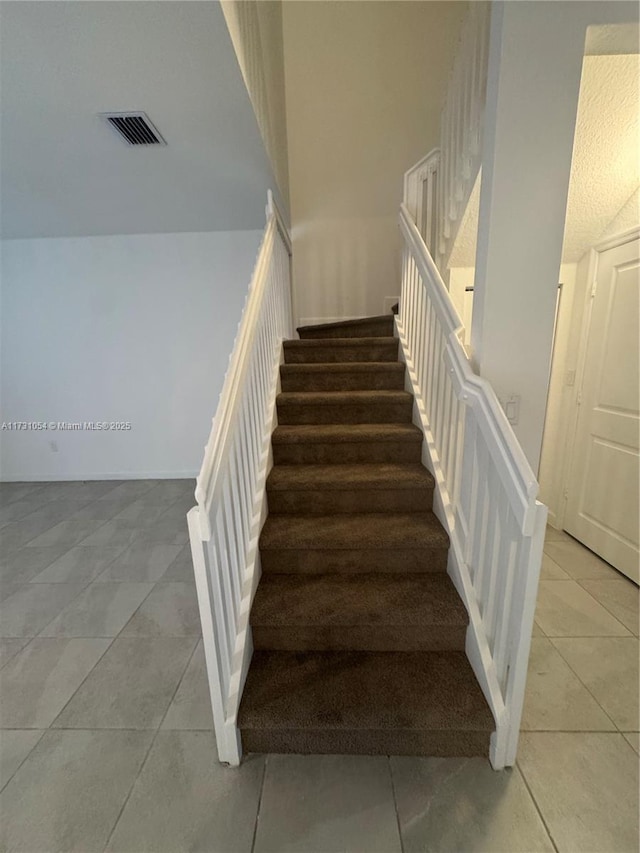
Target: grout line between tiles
{"x":395,"y":803}
{"x":93,"y":580}
{"x":586,"y":686}
{"x":42,"y":733}
{"x":602,"y":603}
{"x":255,"y":825}
{"x":148,"y":752}
{"x":536,"y":806}
{"x":28,"y":639}
{"x":51,"y":724}
{"x":44,"y":627}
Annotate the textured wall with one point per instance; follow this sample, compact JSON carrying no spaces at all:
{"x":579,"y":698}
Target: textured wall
{"x":627,"y":217}
{"x":605,"y":169}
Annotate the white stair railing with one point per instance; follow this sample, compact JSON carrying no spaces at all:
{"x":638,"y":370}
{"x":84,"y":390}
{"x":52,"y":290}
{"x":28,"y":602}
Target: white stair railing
{"x":225,"y":525}
{"x":461,"y":127}
{"x":486,"y":490}
{"x":421,"y":196}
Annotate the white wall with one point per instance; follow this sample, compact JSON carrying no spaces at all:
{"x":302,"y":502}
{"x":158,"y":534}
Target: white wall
{"x":561,"y":404}
{"x":535,"y":60}
{"x":461,"y":278}
{"x":365,"y":83}
{"x":255,"y":27}
{"x":627,"y":217}
{"x":122,"y":328}
{"x":65,"y":173}
{"x":551,"y":475}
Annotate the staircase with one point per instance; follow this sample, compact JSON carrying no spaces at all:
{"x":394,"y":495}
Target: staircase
{"x":358,"y":632}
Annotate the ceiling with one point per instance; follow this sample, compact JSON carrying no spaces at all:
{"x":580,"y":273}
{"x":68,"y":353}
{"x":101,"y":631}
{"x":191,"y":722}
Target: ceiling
{"x":65,"y":173}
{"x":605,"y":169}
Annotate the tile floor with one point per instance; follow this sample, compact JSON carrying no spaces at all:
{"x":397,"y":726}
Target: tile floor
{"x":106,"y":740}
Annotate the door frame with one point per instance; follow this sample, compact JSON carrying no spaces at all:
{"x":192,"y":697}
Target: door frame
{"x":574,"y":409}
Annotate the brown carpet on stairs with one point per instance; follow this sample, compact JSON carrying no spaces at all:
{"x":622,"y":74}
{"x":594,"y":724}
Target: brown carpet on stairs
{"x":358,"y":631}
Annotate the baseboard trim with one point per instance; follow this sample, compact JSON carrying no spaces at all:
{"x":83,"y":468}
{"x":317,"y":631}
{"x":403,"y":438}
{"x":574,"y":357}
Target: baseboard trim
{"x":100,"y":475}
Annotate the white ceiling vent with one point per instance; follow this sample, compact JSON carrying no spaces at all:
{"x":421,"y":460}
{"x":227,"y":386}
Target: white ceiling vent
{"x":135,"y":128}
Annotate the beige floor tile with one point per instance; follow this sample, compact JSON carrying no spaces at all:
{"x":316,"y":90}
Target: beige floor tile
{"x":634,"y":739}
{"x":326,"y":804}
{"x":191,"y":706}
{"x":116,"y":533}
{"x":577,"y":561}
{"x":66,"y":533}
{"x":551,"y":571}
{"x":171,"y":610}
{"x":102,"y":510}
{"x":143,"y":514}
{"x":565,"y":609}
{"x":101,"y":610}
{"x":15,"y":745}
{"x":181,"y":570}
{"x":553,"y":535}
{"x":39,"y":681}
{"x":142,"y":563}
{"x":27,"y":563}
{"x":609,"y":668}
{"x":26,"y":612}
{"x":462,"y":804}
{"x":184,"y":800}
{"x":78,"y":565}
{"x":586,"y":787}
{"x":130,"y":489}
{"x":10,"y":647}
{"x":620,"y":597}
{"x":556,"y":699}
{"x":132,"y":685}
{"x":16,"y":534}
{"x":68,"y":793}
{"x":11,"y":492}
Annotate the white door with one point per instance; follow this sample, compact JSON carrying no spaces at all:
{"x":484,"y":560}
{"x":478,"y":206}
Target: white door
{"x":602,"y":507}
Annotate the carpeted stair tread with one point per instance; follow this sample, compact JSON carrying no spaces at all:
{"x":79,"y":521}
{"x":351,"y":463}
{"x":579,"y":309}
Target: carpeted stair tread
{"x":345,"y":398}
{"x":340,"y":343}
{"x":365,"y":326}
{"x":354,"y":693}
{"x":375,"y":599}
{"x":355,"y":375}
{"x":333,"y":407}
{"x":343,"y":367}
{"x":349,"y":477}
{"x":333,"y":444}
{"x":346,"y":433}
{"x":367,"y":530}
{"x":341,"y":350}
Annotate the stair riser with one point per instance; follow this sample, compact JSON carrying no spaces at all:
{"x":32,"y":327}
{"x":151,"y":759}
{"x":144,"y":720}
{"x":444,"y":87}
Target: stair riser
{"x":339,"y":355}
{"x":369,"y":381}
{"x":349,"y":413}
{"x":332,"y":501}
{"x":356,"y":561}
{"x":373,"y":638}
{"x":370,"y":330}
{"x":331,"y":741}
{"x":347,"y":452}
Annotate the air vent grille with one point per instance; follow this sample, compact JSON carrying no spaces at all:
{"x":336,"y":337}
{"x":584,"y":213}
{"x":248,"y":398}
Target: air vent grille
{"x":134,"y":128}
